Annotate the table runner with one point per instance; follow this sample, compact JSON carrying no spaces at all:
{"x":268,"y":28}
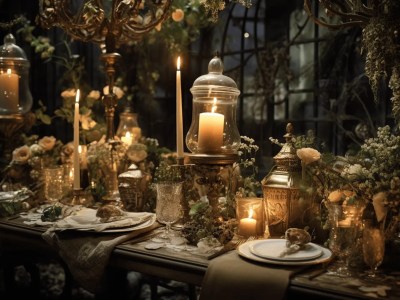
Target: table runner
{"x":87,"y":254}
{"x":232,"y":277}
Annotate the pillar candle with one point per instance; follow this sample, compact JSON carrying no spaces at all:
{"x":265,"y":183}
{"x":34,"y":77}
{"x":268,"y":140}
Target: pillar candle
{"x":127,"y":139}
{"x":179,"y":122}
{"x":211,"y":129}
{"x":77,"y":184}
{"x":248,"y":226}
{"x":9,"y":92}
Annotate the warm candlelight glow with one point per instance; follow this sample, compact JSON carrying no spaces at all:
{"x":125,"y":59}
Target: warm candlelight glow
{"x":179,"y":121}
{"x":9,"y":96}
{"x":211,"y":130}
{"x":82,"y":149}
{"x":77,"y":179}
{"x":214,"y":107}
{"x":248,"y":226}
{"x":127,"y":139}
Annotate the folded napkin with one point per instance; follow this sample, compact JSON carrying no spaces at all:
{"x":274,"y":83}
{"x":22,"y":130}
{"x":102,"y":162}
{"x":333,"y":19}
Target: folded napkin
{"x":232,"y":277}
{"x":87,"y":253}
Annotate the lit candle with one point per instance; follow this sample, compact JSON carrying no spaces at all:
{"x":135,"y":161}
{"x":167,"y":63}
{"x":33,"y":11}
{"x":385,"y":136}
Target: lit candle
{"x":211,"y":129}
{"x":248,"y":226}
{"x":127,"y":139}
{"x":77,"y":183}
{"x":9,"y":91}
{"x":179,"y":123}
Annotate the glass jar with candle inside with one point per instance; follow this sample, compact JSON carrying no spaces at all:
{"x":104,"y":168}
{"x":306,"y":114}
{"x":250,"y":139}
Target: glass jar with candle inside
{"x":213,"y":130}
{"x":250,"y":215}
{"x":15,"y":95}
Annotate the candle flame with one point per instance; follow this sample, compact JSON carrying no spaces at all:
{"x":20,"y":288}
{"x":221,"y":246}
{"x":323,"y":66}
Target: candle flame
{"x":80,"y":149}
{"x":251,"y":213}
{"x":128,"y":135}
{"x":78,"y":94}
{"x":178,"y":63}
{"x":214,"y":107}
{"x":8,"y":71}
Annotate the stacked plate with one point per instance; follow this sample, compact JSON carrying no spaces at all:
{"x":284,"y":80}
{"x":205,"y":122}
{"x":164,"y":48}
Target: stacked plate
{"x":273,"y":251}
{"x":86,"y":220}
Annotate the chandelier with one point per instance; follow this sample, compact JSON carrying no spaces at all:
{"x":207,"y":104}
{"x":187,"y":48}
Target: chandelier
{"x":345,"y":13}
{"x":113,"y":22}
{"x":107,"y":22}
{"x":110,"y":23}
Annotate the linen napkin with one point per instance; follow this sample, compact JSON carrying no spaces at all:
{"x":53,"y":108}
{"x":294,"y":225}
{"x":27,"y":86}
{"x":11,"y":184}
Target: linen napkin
{"x":232,"y":277}
{"x":87,"y":253}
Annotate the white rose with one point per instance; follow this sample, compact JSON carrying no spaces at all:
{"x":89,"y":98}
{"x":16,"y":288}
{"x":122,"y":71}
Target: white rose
{"x":21,"y":154}
{"x":47,"y":143}
{"x":36,"y":149}
{"x":68,"y":93}
{"x":87,"y":121}
{"x":94,"y":94}
{"x":117,"y":91}
{"x":308,"y":155}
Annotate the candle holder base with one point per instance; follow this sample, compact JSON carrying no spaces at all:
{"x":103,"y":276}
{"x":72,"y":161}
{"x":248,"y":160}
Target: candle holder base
{"x":213,"y":159}
{"x":78,"y":197}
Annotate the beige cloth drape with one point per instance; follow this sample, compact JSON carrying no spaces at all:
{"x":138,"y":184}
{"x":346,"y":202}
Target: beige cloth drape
{"x":232,"y":277}
{"x":87,"y":254}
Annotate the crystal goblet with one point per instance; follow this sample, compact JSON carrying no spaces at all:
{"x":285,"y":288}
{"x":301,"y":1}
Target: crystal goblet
{"x":168,"y":205}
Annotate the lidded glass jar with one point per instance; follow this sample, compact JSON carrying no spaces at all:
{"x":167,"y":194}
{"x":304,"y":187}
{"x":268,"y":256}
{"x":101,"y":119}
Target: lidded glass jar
{"x":213,"y":129}
{"x":15,"y":96}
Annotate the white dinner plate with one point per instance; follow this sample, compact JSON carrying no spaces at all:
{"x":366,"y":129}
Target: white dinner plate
{"x":13,"y":195}
{"x":244,"y":251}
{"x":273,"y":248}
{"x":86,"y":220}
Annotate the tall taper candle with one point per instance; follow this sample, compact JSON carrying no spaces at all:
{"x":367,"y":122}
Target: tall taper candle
{"x":77,"y":179}
{"x":179,"y":122}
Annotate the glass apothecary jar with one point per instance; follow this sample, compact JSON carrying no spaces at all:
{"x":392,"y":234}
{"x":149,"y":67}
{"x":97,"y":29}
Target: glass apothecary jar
{"x":15,"y":96}
{"x":213,"y":129}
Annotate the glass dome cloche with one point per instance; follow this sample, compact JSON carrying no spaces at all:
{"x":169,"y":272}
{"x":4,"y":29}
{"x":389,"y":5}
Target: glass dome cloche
{"x":213,"y":130}
{"x":15,"y":96}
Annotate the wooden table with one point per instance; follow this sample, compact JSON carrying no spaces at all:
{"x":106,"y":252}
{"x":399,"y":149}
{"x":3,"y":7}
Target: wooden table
{"x":18,"y":239}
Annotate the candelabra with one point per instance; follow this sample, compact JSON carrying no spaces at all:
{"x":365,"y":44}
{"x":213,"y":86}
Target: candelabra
{"x":110,"y":23}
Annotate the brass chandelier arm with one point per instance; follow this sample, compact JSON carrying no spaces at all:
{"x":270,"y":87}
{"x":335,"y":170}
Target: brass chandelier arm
{"x":92,"y":22}
{"x":350,"y":13}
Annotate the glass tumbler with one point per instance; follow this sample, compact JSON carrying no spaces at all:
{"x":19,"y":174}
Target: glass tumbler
{"x":53,"y":178}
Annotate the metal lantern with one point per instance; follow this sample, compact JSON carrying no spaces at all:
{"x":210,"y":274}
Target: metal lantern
{"x":132,"y":184}
{"x":281,"y":189}
{"x":15,"y":96}
{"x":213,"y":130}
